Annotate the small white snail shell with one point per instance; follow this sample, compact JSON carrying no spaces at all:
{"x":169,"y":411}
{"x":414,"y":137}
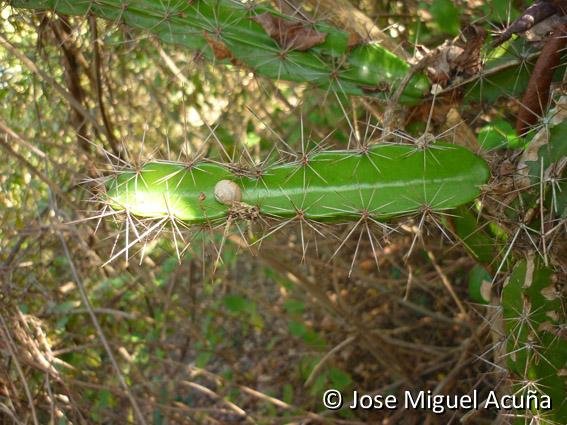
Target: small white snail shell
{"x":227,"y":192}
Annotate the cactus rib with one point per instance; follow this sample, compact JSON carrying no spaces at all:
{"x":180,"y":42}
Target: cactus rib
{"x":364,"y":69}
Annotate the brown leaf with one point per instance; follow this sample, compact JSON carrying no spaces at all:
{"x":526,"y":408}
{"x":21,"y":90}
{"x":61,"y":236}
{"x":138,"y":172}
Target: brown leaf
{"x":468,"y":62}
{"x":354,"y":39}
{"x":460,"y":58}
{"x":219,"y":48}
{"x":290,"y":35}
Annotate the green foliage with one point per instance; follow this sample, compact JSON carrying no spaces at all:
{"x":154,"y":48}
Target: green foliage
{"x":244,"y":308}
{"x":238,"y":304}
{"x":480,"y":285}
{"x":301,"y":330}
{"x":446,"y":16}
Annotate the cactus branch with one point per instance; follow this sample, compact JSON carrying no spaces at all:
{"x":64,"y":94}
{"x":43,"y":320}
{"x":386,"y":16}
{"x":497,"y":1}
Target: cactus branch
{"x":231,"y":32}
{"x":329,"y":186}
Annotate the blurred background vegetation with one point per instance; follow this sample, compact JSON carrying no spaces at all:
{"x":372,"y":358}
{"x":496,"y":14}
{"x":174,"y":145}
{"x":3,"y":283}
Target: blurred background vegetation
{"x":165,"y":334}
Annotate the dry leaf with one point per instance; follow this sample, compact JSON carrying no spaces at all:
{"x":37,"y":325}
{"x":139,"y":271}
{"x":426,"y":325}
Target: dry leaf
{"x":219,"y":48}
{"x":354,"y":39}
{"x":290,"y":35}
{"x":460,"y":58}
{"x":472,"y":39}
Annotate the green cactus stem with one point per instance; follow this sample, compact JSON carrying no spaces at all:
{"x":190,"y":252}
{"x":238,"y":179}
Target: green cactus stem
{"x":329,"y":186}
{"x":536,"y":347}
{"x":232,"y":32}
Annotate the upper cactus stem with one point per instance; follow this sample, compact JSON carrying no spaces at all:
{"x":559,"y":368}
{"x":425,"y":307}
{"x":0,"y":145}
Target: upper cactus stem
{"x":260,"y":38}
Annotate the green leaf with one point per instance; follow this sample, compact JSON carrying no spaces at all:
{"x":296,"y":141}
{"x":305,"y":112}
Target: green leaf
{"x":203,"y":358}
{"x":239,"y":304}
{"x":446,"y":16}
{"x":339,"y":379}
{"x":294,"y":306}
{"x":287,"y":393}
{"x":308,"y":335}
{"x":480,"y":285}
{"x":297,"y":329}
